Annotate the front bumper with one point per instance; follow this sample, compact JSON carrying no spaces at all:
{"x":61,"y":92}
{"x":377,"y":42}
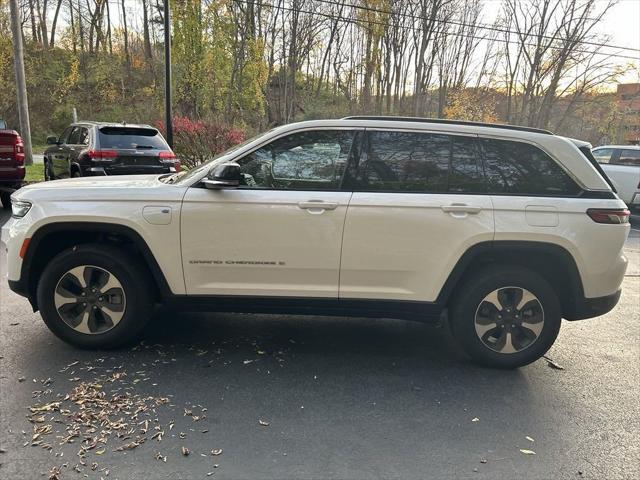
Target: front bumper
{"x":593,"y":307}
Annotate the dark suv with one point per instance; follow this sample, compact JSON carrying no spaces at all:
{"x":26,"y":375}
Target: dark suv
{"x":93,"y":148}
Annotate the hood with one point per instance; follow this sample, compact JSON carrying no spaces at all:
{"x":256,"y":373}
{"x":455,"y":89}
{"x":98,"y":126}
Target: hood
{"x":115,"y":188}
{"x":113,"y":181}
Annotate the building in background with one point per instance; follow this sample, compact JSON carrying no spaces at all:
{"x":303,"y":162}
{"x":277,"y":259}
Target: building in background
{"x":629,"y":107}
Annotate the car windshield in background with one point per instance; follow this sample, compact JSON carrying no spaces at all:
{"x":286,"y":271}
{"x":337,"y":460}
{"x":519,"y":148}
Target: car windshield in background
{"x":129,"y":137}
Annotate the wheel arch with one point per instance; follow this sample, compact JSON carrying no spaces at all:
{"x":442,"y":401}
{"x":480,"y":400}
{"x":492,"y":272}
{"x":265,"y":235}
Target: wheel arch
{"x":51,"y":239}
{"x":551,"y":261}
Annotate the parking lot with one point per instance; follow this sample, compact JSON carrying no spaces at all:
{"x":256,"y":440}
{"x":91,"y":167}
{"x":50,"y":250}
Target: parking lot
{"x":288,"y":397}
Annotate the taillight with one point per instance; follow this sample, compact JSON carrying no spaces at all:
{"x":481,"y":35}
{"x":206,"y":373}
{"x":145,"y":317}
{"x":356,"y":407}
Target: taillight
{"x":18,"y":150}
{"x":102,"y":155}
{"x":614,"y":216}
{"x":166,"y":155}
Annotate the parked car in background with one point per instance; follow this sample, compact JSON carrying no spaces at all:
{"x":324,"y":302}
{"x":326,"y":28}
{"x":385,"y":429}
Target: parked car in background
{"x":96,"y":148}
{"x":11,"y":164}
{"x":621,"y":163}
{"x":504,"y":230}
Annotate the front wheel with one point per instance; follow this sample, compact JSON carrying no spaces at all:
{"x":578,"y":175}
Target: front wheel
{"x":5,"y":198}
{"x":505,"y":317}
{"x":95,"y":296}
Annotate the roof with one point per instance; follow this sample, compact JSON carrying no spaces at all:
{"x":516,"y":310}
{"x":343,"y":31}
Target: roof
{"x":447,"y":121}
{"x":626,"y":147}
{"x":112,"y":124}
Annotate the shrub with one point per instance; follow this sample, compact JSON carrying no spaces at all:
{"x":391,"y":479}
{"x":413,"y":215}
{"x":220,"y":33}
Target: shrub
{"x":196,"y":141}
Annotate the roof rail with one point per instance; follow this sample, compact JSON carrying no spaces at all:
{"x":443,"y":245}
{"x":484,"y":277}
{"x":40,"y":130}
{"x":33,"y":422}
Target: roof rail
{"x":391,"y":118}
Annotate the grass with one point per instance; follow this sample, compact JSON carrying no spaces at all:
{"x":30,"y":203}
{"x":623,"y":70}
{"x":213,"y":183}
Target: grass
{"x":34,"y":173}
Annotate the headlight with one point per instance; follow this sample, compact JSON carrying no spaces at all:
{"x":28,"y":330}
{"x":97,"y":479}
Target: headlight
{"x":19,"y":208}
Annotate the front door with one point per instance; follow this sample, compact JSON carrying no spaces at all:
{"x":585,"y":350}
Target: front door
{"x":59,"y":155}
{"x":419,"y":202}
{"x":278,"y":234}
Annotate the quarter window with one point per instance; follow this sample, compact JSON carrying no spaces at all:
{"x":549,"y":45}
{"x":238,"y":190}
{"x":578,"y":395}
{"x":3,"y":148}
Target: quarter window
{"x":521,"y":168}
{"x":311,"y":160}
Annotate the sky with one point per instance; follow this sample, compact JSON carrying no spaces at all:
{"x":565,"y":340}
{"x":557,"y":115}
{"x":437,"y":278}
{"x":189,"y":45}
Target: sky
{"x":621,"y":23}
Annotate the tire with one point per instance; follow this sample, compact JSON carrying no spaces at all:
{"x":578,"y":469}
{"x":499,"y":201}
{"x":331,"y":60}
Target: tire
{"x":104,"y":320}
{"x":48,"y":172}
{"x":75,"y":173}
{"x":506,"y":337}
{"x":5,"y":198}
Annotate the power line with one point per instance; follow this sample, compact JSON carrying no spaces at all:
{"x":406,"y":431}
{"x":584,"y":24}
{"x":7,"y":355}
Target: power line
{"x":464,"y":24}
{"x":415,"y":29}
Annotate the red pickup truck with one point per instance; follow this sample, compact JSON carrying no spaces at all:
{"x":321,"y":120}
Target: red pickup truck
{"x":11,"y":164}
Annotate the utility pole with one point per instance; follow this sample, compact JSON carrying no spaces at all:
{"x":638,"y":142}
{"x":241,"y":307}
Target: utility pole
{"x":21,"y":86}
{"x":168,"y":120}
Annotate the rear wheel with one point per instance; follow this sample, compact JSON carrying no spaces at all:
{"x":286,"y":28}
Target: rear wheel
{"x":94,"y":296}
{"x":505,"y":317}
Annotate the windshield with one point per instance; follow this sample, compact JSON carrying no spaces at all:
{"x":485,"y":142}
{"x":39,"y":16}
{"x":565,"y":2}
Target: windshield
{"x":206,"y":166}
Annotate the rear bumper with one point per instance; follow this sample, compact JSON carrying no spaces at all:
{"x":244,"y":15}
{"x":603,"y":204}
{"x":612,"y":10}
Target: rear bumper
{"x":126,"y":170}
{"x":594,"y":307}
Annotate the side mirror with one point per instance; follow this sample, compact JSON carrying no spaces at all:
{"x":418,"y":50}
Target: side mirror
{"x":52,"y":140}
{"x":225,"y":175}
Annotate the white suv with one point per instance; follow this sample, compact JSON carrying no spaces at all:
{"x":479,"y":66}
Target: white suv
{"x":506,"y":230}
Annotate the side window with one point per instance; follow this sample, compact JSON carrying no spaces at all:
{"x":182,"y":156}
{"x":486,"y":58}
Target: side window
{"x":311,"y":160}
{"x":64,"y":138}
{"x":602,"y":155}
{"x":74,"y":138}
{"x":405,"y":162}
{"x":629,"y":157}
{"x":465,"y":174}
{"x":521,"y":168}
{"x":83,"y":136}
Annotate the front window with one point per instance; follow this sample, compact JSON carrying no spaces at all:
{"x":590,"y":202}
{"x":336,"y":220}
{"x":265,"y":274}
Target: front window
{"x":310,"y":160}
{"x":602,"y":155}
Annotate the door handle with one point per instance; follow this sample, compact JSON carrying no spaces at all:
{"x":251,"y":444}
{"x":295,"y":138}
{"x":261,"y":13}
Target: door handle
{"x":461,"y":208}
{"x":317,"y":205}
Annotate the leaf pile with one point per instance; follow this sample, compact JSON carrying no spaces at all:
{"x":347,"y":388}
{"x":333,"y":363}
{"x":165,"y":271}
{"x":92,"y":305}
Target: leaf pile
{"x":95,"y":420}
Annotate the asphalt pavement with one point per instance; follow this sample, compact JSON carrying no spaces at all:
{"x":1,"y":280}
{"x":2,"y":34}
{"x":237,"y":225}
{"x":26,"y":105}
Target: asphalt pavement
{"x":290,"y":397}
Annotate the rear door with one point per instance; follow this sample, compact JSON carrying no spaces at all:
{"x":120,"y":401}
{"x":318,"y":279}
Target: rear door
{"x":418,"y":204}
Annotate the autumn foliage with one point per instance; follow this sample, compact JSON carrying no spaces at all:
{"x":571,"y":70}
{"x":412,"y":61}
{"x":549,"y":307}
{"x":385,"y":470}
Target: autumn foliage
{"x":196,"y":141}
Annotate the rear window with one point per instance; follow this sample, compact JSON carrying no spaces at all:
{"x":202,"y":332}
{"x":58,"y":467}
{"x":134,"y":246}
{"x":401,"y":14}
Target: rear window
{"x":128,"y":137}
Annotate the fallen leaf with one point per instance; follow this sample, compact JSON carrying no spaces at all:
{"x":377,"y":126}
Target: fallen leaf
{"x":552,"y":364}
{"x":264,"y":423}
{"x":527,"y":452}
{"x":185,"y":451}
{"x":475,"y":419}
{"x":483,"y":460}
{"x":530,"y":439}
{"x":216,"y":451}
